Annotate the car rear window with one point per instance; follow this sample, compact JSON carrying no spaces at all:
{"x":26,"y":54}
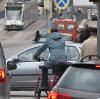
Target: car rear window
{"x":81,"y":79}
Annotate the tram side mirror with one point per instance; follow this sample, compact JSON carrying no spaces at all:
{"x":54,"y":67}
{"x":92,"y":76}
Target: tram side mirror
{"x":11,"y":65}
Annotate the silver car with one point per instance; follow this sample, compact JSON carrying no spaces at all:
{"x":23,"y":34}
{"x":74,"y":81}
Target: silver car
{"x":80,"y":81}
{"x":26,"y":74}
{"x":4,"y":75}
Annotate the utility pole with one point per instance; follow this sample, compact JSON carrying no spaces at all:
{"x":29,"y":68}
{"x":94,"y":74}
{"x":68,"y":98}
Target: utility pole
{"x":98,"y":30}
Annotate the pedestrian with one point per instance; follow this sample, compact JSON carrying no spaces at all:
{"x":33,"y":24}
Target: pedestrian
{"x":89,"y":46}
{"x":56,"y":45}
{"x":37,"y":37}
{"x":84,"y":34}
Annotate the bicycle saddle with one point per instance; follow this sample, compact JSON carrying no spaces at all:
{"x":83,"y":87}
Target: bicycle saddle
{"x":45,"y":67}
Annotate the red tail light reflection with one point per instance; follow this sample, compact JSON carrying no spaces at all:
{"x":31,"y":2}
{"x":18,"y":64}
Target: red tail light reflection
{"x":2,"y":75}
{"x":56,"y":95}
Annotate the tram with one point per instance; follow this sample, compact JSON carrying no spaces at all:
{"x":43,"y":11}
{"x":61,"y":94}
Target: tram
{"x":19,"y":15}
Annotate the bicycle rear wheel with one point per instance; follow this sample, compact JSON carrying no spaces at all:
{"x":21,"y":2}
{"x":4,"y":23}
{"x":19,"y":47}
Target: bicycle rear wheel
{"x":37,"y":91}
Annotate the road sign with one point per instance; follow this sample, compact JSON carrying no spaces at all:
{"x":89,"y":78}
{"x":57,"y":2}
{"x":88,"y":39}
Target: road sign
{"x":61,"y":4}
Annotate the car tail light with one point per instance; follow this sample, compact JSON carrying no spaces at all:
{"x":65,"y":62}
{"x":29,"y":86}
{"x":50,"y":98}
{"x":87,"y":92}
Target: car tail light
{"x":98,"y":66}
{"x":2,"y":75}
{"x":56,"y":95}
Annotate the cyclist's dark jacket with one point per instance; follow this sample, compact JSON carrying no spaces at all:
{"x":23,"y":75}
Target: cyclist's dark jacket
{"x":56,"y":44}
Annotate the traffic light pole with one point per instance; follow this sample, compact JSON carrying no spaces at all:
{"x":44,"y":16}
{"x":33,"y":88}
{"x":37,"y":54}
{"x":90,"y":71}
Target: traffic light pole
{"x":98,"y":30}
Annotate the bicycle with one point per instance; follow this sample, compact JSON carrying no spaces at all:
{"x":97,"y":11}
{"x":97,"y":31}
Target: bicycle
{"x":44,"y":82}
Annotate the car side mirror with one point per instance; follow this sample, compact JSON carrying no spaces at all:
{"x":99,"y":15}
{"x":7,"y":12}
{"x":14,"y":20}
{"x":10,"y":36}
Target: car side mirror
{"x":16,"y":60}
{"x":11,"y":65}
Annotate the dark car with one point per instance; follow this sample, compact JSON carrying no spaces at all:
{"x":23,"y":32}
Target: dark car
{"x":80,"y":81}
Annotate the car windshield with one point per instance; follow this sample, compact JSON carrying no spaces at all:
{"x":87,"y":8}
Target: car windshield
{"x":81,"y":79}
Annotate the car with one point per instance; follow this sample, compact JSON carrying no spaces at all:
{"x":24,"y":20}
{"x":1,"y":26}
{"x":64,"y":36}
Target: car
{"x":4,"y":75}
{"x":80,"y":81}
{"x":26,"y":74}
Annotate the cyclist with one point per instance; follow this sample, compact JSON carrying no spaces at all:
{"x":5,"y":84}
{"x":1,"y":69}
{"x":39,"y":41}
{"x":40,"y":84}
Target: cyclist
{"x":56,"y":44}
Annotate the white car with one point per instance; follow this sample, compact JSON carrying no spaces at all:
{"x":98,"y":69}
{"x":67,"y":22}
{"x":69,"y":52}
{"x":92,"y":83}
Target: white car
{"x":25,"y":76}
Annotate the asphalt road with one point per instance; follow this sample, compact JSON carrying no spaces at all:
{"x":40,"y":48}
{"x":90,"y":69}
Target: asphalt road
{"x":24,"y":95}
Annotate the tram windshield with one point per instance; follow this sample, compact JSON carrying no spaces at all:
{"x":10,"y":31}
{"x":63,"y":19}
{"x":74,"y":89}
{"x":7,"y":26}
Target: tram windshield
{"x":13,"y":13}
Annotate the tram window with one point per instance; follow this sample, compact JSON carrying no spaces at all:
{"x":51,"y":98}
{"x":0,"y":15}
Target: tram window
{"x":13,"y":13}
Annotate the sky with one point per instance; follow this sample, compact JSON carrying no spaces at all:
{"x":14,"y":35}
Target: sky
{"x":82,"y":2}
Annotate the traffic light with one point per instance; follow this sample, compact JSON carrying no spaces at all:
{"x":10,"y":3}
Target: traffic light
{"x":94,"y":1}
